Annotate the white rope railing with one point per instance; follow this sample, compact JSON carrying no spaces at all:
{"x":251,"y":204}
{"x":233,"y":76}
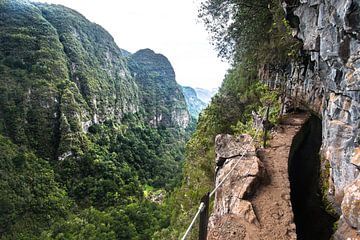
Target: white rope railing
{"x":202,"y":205}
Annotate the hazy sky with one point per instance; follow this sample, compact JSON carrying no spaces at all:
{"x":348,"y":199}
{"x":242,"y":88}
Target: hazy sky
{"x":169,"y":27}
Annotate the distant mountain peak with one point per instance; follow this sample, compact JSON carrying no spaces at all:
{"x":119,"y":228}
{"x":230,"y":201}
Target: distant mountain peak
{"x":205,"y":95}
{"x":195,"y":105}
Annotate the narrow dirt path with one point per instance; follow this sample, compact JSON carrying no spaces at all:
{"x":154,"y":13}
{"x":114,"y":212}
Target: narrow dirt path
{"x":271,"y":202}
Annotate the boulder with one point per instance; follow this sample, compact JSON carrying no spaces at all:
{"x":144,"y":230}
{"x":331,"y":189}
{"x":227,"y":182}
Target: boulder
{"x":247,"y":171}
{"x":228,"y":146}
{"x":350,"y":205}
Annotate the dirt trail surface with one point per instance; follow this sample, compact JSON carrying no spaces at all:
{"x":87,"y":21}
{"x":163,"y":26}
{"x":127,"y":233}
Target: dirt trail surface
{"x":271,"y":202}
{"x":265,"y":213}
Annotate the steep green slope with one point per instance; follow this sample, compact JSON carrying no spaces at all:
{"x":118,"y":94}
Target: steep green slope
{"x":33,"y":70}
{"x":30,"y":197}
{"x":81,"y":121}
{"x":156,"y":78}
{"x":60,"y":73}
{"x":195,"y":105}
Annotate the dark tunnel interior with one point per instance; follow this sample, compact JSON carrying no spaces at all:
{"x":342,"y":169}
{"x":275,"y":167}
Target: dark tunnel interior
{"x":311,"y":219}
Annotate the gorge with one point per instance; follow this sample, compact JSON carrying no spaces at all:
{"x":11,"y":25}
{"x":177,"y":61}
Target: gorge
{"x":88,"y":130}
{"x":100,"y":143}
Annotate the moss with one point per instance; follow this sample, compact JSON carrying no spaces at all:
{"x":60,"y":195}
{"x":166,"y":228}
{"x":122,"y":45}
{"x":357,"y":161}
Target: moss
{"x":335,"y":226}
{"x":324,"y":186}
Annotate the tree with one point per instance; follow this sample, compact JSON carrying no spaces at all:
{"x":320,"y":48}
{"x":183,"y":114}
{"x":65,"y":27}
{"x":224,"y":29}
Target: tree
{"x":237,"y":27}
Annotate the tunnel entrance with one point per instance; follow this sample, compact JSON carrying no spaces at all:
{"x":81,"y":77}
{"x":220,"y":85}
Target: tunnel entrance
{"x":311,"y":219}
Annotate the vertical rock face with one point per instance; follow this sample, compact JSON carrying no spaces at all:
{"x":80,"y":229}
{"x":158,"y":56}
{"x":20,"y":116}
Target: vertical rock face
{"x":195,"y":105}
{"x":328,"y":82}
{"x":231,"y":207}
{"x":161,"y":98}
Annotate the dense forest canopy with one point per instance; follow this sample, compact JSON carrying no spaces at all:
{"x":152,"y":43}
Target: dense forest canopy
{"x":91,"y":139}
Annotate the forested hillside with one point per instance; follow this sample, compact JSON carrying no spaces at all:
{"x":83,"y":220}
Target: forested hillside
{"x":90,"y":134}
{"x":98,"y":143}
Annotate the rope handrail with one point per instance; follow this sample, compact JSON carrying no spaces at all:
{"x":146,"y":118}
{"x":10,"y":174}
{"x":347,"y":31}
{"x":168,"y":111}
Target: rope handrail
{"x":202,"y":205}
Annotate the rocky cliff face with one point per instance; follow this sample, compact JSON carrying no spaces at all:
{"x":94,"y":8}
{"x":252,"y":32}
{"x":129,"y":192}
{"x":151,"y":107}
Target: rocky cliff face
{"x":327,"y":83}
{"x":156,"y":78}
{"x":232,"y":205}
{"x":195,"y":105}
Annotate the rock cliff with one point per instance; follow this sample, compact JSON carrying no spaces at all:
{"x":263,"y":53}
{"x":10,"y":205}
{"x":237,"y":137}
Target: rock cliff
{"x":195,"y":105}
{"x":327,"y":83}
{"x":156,"y":79}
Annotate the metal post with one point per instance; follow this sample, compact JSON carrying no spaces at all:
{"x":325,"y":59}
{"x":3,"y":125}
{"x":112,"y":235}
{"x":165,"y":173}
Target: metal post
{"x":266,"y":125}
{"x":204,"y":218}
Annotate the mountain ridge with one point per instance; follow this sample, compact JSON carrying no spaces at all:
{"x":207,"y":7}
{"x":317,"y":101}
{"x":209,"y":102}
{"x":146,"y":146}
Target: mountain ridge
{"x":76,"y":135}
{"x":195,"y":105}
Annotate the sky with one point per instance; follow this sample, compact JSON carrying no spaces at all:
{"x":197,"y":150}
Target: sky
{"x":169,"y":27}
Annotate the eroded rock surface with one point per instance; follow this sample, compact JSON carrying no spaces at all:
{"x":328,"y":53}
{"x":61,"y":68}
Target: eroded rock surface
{"x":351,"y":204}
{"x":237,"y":153}
{"x":228,"y":146}
{"x":327,"y":83}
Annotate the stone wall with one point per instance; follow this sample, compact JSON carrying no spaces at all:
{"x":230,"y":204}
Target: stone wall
{"x":327,"y":83}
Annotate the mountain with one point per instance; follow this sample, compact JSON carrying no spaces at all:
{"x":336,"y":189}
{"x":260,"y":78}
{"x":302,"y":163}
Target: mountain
{"x":156,"y":79}
{"x":205,"y":95}
{"x":195,"y":105}
{"x":85,"y":128}
{"x":125,"y":53}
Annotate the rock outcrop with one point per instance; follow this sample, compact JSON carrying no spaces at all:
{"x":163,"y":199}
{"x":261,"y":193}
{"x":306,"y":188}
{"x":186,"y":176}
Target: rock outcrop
{"x":156,"y":79}
{"x":327,"y":83}
{"x":233,"y":214}
{"x":350,"y":205}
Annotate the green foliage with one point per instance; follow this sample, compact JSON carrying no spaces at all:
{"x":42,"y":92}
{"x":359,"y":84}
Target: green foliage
{"x":251,"y":32}
{"x":155,"y":154}
{"x":89,"y":224}
{"x":61,"y":73}
{"x":30,"y":198}
{"x":31,"y":64}
{"x":135,"y":221}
